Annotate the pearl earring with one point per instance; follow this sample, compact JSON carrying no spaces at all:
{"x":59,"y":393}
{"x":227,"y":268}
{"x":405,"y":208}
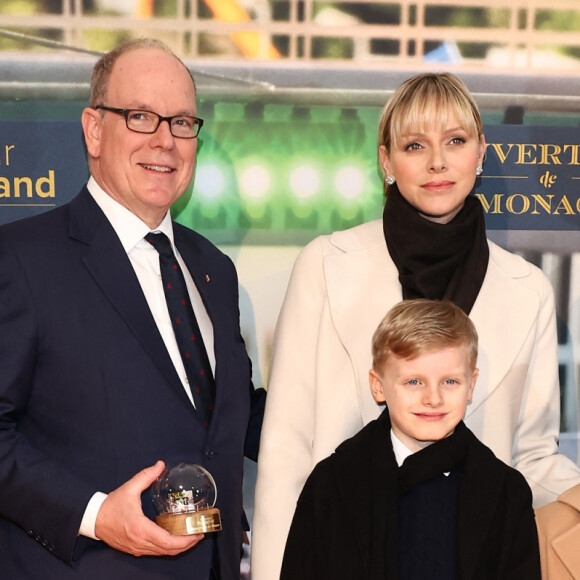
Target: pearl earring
{"x":479,"y":170}
{"x":389,"y":180}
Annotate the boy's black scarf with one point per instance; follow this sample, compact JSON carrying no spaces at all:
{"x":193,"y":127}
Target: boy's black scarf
{"x":437,"y":261}
{"x":440,"y":457}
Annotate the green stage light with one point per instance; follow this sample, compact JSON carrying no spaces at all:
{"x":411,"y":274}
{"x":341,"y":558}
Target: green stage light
{"x":255,"y":182}
{"x":209,"y":181}
{"x":257,"y":212}
{"x":304,"y":181}
{"x":349,"y":182}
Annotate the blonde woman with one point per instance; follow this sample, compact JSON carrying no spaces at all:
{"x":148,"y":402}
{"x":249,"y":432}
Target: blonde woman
{"x":431,"y":243}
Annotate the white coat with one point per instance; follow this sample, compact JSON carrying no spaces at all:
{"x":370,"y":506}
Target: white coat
{"x":341,"y":287}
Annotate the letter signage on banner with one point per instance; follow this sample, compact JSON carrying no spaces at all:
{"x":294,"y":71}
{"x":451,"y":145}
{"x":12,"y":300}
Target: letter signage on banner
{"x":531,"y":178}
{"x":41,"y":166}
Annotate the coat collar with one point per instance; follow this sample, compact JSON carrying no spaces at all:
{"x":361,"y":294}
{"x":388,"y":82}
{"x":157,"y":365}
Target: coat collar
{"x":362,"y":284}
{"x":504,"y":308}
{"x":571,"y":497}
{"x":565,"y":545}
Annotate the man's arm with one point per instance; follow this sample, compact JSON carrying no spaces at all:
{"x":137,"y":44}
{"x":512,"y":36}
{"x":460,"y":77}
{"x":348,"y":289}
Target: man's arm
{"x":36,"y":492}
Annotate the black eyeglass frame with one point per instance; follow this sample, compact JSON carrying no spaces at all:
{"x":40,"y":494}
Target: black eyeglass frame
{"x":126,"y":112}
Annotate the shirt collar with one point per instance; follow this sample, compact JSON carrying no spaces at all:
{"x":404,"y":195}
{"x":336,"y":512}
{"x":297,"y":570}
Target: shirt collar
{"x":400,"y":449}
{"x":130,"y":228}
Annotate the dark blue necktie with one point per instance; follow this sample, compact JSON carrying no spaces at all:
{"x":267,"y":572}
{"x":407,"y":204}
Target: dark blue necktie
{"x":185,"y":328}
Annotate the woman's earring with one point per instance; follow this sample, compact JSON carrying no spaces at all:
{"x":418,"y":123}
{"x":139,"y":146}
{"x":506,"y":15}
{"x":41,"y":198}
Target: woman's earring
{"x":389,"y":180}
{"x":479,"y":170}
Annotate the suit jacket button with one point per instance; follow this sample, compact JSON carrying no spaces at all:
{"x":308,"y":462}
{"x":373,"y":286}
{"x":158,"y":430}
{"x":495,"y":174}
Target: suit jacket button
{"x":209,"y":453}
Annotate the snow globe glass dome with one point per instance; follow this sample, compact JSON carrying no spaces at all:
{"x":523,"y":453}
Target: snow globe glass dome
{"x":184,"y":498}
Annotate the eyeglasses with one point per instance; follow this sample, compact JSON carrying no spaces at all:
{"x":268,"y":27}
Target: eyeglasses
{"x":140,"y":121}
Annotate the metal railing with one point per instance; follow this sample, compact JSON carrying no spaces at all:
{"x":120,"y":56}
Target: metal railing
{"x":509,"y":36}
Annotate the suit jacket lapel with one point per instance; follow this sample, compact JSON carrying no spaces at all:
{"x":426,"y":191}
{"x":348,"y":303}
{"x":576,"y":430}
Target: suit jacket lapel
{"x":205,"y":276}
{"x":200,"y":271}
{"x":109,"y":265}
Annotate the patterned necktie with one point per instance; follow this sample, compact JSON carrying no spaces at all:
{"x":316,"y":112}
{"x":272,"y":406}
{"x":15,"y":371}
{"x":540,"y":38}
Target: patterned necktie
{"x":185,"y":328}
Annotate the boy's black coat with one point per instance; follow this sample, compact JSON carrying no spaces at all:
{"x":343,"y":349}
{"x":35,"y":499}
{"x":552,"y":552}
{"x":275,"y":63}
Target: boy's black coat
{"x":341,"y":523}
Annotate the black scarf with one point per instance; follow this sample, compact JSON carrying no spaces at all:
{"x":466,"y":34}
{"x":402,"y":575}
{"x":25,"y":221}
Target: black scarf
{"x":437,"y":261}
{"x":439,"y":457}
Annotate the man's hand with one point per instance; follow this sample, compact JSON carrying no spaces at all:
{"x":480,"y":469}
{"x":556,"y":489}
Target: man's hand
{"x":123,"y":526}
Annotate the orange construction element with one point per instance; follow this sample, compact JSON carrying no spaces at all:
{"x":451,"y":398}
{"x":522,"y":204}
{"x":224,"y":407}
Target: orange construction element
{"x":144,"y":9}
{"x":248,"y":41}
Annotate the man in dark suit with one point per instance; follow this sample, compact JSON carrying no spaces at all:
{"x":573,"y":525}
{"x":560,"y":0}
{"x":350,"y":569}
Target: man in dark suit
{"x":94,"y":394}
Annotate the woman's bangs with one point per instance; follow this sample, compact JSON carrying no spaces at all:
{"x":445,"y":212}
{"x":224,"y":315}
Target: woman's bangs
{"x":432,"y":116}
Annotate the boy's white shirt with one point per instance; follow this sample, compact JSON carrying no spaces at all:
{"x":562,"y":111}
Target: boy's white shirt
{"x":402,"y":451}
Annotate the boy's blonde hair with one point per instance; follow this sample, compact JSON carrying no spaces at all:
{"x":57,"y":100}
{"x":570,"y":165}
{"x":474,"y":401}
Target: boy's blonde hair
{"x":413,"y":327}
{"x":423,"y":102}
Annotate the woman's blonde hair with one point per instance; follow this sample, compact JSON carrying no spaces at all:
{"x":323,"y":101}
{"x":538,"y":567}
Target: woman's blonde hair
{"x":424,"y":101}
{"x":413,"y":327}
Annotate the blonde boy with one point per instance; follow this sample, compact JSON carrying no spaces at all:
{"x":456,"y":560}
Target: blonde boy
{"x":414,"y":495}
